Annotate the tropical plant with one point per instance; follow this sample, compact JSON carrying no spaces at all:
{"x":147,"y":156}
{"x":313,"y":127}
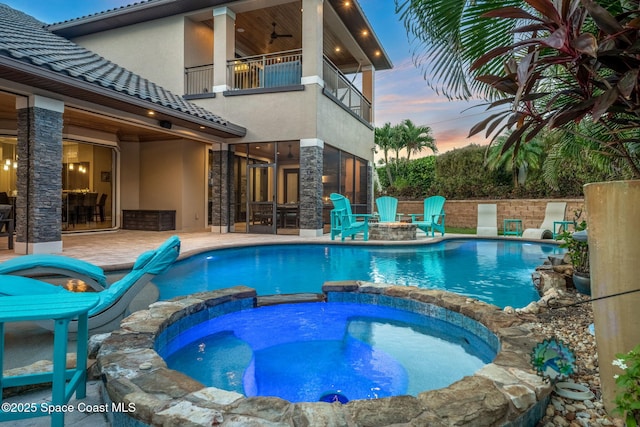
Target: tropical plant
{"x":628,"y":397}
{"x":518,"y":163}
{"x":414,"y":138}
{"x":461,"y":174}
{"x":396,"y":142}
{"x":577,"y":250}
{"x":573,"y":60}
{"x":447,"y":36}
{"x":383,"y":138}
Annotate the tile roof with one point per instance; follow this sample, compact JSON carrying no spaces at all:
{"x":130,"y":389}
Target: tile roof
{"x":25,"y":39}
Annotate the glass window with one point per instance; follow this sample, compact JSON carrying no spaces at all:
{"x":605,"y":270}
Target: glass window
{"x":87,"y":186}
{"x":345,"y":174}
{"x":330,"y":172}
{"x":9,"y":171}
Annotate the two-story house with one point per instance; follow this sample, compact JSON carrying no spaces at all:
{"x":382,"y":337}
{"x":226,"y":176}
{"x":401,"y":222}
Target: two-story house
{"x":289,"y":86}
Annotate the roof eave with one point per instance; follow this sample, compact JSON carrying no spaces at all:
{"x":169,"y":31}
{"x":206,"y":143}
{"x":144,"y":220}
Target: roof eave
{"x":46,"y":78}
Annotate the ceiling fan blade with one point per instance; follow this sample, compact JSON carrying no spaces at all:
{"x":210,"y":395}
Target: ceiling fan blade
{"x":275,"y":35}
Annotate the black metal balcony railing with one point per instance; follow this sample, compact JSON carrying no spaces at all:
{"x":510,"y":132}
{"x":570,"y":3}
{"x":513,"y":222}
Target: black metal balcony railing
{"x":337,"y":84}
{"x":265,"y":71}
{"x":198,"y":80}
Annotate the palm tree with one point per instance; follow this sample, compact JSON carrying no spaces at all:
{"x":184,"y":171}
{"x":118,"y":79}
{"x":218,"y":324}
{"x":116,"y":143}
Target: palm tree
{"x":384,"y":139}
{"x":449,"y":35}
{"x":397,"y":142}
{"x":414,"y":138}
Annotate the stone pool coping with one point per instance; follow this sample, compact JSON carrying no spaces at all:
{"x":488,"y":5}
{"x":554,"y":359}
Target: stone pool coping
{"x":506,"y":392}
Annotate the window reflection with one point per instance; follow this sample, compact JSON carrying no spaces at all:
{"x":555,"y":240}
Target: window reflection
{"x":9,"y":171}
{"x":345,"y":174}
{"x":87,"y":186}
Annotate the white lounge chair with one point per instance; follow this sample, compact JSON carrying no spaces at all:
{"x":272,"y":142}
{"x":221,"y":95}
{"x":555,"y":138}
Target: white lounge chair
{"x":487,"y":220}
{"x":554,"y":212}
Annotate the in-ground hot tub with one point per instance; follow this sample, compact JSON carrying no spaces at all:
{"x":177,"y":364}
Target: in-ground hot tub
{"x":503,"y":392}
{"x":319,"y":351}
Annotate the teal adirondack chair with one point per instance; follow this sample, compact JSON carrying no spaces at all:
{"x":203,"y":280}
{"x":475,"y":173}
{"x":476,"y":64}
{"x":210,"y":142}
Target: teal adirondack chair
{"x":433,"y":216}
{"x":343,"y":221}
{"x":387,"y":207}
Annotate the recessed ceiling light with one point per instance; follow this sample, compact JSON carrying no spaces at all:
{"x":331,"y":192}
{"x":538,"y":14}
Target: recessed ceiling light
{"x":151,"y":113}
{"x":337,"y":49}
{"x":365,"y":33}
{"x":240,"y":30}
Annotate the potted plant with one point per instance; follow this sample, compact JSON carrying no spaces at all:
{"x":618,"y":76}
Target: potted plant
{"x":578,"y":251}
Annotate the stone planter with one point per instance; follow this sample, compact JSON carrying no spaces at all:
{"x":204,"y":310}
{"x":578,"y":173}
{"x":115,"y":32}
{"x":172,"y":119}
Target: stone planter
{"x":582,"y":283}
{"x":614,"y":251}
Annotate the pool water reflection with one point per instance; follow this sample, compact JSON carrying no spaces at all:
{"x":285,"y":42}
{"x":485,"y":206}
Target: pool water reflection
{"x":494,"y":271}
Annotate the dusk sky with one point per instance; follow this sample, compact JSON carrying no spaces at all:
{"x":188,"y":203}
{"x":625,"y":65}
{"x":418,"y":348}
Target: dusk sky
{"x":401,"y":93}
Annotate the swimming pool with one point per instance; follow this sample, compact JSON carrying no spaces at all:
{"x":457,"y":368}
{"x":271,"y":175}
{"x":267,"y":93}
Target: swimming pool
{"x":494,"y":271}
{"x":302,"y":352}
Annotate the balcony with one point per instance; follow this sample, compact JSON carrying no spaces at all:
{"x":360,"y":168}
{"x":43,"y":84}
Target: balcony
{"x":198,"y":80}
{"x":338,"y":87}
{"x":265,"y":71}
{"x":278,"y":71}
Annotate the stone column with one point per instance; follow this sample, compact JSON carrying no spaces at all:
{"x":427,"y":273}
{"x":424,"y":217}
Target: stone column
{"x":311,"y":187}
{"x":39,"y":201}
{"x":614,"y":250}
{"x":224,"y":40}
{"x":221,"y":188}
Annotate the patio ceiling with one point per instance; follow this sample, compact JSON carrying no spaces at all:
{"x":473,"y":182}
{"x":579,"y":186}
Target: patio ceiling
{"x":76,"y":117}
{"x":345,"y":26}
{"x":254,"y":28}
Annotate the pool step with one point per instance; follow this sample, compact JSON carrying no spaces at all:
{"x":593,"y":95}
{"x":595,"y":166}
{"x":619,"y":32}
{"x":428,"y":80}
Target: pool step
{"x":289,"y":299}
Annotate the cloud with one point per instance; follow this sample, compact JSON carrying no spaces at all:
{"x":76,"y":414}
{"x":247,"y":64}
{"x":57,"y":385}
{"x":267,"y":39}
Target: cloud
{"x":402,"y":93}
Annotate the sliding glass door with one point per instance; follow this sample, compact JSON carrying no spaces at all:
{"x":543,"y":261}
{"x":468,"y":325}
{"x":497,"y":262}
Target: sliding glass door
{"x":261,"y":205}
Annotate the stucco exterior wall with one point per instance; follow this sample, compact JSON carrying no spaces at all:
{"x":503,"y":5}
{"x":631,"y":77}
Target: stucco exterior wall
{"x":154,"y":50}
{"x":284,"y":116}
{"x":173,"y":177}
{"x":464,"y":213}
{"x":340,"y":129}
{"x":268,"y":116}
{"x":198,"y":44}
{"x":129,"y":176}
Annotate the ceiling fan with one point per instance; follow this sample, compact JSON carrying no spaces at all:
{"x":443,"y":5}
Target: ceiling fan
{"x":275,"y":35}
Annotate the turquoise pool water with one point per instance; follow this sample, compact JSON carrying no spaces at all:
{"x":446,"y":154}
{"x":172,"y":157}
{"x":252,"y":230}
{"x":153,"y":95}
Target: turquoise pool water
{"x":302,"y":352}
{"x":494,"y":271}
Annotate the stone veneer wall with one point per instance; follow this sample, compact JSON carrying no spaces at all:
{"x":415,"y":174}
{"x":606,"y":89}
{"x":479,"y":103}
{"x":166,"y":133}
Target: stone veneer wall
{"x":464,"y":213}
{"x":505,"y":392}
{"x":311,"y":187}
{"x":221,"y":187}
{"x":39,"y":176}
